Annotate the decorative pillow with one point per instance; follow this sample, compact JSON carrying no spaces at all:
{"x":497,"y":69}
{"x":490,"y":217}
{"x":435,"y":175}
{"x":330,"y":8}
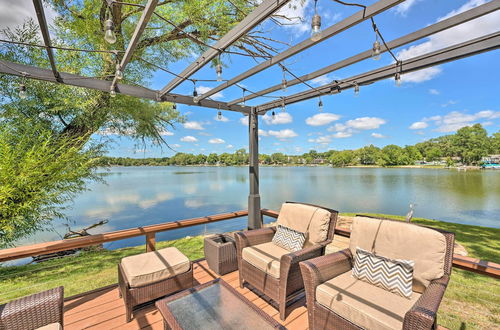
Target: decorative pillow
{"x":289,"y":239}
{"x":393,"y":275}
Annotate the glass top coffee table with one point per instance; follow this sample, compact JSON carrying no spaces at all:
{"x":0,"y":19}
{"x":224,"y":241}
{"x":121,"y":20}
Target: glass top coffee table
{"x":213,"y":306}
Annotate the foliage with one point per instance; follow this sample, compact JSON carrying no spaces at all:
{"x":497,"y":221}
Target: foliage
{"x":472,"y":143}
{"x":39,"y":175}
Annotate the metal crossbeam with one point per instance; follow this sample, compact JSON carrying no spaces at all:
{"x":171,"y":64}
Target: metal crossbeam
{"x":409,"y":38}
{"x":42,"y":22}
{"x":452,"y":53}
{"x":32,"y":72}
{"x":139,"y":29}
{"x":347,"y":23}
{"x":263,"y":11}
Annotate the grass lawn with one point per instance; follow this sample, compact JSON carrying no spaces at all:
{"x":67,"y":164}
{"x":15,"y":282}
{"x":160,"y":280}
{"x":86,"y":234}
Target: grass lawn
{"x":471,"y":300}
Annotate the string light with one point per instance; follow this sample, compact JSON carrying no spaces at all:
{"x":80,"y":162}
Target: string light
{"x":219,"y":115}
{"x":218,"y":69}
{"x":118,"y":72}
{"x":320,"y":105}
{"x":174,"y":106}
{"x":283,"y":108}
{"x":243,"y":91}
{"x":195,"y":92}
{"x":356,"y":89}
{"x":109,"y":33}
{"x":316,"y":24}
{"x":397,"y":79}
{"x":112,"y":91}
{"x":376,"y":50}
{"x":22,"y":91}
{"x":273,"y":115}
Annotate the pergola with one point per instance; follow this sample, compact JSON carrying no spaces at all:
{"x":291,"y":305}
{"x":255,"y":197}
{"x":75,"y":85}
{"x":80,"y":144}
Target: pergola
{"x":262,"y":12}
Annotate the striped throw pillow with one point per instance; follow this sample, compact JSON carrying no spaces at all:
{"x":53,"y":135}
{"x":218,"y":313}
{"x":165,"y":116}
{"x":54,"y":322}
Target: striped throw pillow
{"x":393,"y":275}
{"x":289,"y":239}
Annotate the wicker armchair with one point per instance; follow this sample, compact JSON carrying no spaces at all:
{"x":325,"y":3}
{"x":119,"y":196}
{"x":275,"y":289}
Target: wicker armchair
{"x":337,"y":300}
{"x":277,"y":274}
{"x":44,"y":309}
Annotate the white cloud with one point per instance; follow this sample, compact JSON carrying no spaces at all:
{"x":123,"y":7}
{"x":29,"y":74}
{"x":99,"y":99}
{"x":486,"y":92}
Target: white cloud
{"x":419,"y":125}
{"x":341,"y":135}
{"x":279,"y":118}
{"x":189,"y":138}
{"x":478,"y":27}
{"x":321,"y":80}
{"x":175,"y":146}
{"x":222,"y":118}
{"x":295,"y":11}
{"x":450,"y":102}
{"x":378,"y":135}
{"x":262,"y":132}
{"x":14,"y":13}
{"x":434,"y":91}
{"x":455,"y":120}
{"x":321,"y":119}
{"x":193,"y":125}
{"x":204,"y":89}
{"x":283,"y":134}
{"x":321,"y":140}
{"x":365,"y":123}
{"x":166,"y":133}
{"x":204,"y":134}
{"x":244,"y":120}
{"x":230,"y":146}
{"x":403,"y":8}
{"x":216,"y":141}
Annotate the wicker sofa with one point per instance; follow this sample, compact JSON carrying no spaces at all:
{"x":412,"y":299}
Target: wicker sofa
{"x":43,"y":310}
{"x":337,"y":300}
{"x":275,"y":271}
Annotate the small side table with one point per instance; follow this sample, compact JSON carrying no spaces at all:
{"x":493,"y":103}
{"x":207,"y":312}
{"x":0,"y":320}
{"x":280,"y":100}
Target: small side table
{"x":220,"y":253}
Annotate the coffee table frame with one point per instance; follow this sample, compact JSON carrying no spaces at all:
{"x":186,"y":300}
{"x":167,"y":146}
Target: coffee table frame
{"x":170,"y":322}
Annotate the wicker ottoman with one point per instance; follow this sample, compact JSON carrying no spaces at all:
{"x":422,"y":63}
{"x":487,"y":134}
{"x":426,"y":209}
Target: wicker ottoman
{"x":152,"y":275}
{"x":220,"y":253}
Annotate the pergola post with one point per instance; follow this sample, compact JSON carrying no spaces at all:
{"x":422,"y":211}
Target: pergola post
{"x":254,"y":215}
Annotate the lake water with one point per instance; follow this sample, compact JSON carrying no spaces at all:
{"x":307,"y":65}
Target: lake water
{"x":139,"y":196}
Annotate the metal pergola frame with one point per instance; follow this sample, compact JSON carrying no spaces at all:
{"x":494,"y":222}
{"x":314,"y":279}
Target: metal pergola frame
{"x":262,"y":12}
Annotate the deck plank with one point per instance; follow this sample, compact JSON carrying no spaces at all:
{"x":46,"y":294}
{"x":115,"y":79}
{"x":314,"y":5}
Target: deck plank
{"x":105,"y":310}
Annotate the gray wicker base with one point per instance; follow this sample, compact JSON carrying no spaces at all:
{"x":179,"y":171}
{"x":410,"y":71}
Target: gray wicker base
{"x":220,"y":253}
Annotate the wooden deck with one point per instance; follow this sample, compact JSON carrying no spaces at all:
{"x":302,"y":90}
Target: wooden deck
{"x":105,"y":310}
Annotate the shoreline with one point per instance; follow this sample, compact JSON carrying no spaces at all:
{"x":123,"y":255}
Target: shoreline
{"x":443,"y":167}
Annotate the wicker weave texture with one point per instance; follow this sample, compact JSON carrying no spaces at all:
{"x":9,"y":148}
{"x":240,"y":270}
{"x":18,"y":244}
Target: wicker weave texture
{"x":139,"y":295}
{"x":220,"y":253}
{"x":33,"y":311}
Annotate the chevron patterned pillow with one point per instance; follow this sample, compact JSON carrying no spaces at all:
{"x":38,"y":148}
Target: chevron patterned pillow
{"x":289,"y":239}
{"x":393,"y":275}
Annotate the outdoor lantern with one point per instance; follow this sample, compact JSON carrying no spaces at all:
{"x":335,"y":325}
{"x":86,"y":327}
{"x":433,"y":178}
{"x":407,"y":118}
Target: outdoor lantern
{"x":273,"y":115}
{"x":376,"y":50}
{"x":397,"y":79}
{"x":320,"y":105}
{"x":174,"y":106}
{"x":219,"y":115}
{"x":356,"y":90}
{"x":22,"y":91}
{"x":316,"y":27}
{"x":284,"y":85}
{"x":112,"y":91}
{"x":119,"y":72}
{"x":109,"y":34}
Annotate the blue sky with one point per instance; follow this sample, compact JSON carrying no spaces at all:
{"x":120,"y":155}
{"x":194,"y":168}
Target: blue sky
{"x":430,"y":103}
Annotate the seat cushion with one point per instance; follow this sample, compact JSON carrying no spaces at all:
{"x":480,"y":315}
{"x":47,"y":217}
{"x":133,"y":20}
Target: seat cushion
{"x":364,"y":304}
{"x":265,"y":256}
{"x":154,"y":266}
{"x":308,"y":219}
{"x":52,"y":326}
{"x":400,"y":240}
{"x":289,"y":239}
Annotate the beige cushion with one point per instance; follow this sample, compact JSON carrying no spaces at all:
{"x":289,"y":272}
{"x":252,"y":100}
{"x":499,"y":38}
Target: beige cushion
{"x":265,"y":257}
{"x":52,"y":326}
{"x":307,"y":219}
{"x":154,"y":266}
{"x":364,"y":304}
{"x":400,"y":240}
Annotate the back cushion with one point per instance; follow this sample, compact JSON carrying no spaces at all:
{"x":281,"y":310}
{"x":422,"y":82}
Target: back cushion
{"x":400,"y":240}
{"x":306,"y":219}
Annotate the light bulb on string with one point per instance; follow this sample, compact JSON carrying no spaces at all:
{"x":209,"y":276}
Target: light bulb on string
{"x":356,"y":90}
{"x":109,"y":33}
{"x":320,"y":105}
{"x":112,"y":91}
{"x":273,"y":115}
{"x":316,"y":24}
{"x":118,"y":72}
{"x":397,"y":79}
{"x":284,"y":83}
{"x":22,"y":91}
{"x":174,"y":106}
{"x":219,"y":115}
{"x":376,"y":50}
{"x":283,"y":108}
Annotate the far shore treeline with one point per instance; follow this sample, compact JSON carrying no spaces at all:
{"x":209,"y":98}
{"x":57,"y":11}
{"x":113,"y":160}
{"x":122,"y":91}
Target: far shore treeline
{"x":468,"y":146}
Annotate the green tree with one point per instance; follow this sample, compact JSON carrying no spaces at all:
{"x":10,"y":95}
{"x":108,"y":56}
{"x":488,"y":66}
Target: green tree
{"x":433,"y":154}
{"x":393,"y":155}
{"x":495,"y":143}
{"x":40,"y":175}
{"x":472,"y":143}
{"x":279,"y":158}
{"x":413,"y":154}
{"x":368,"y":155}
{"x":342,"y":158}
{"x":212,"y":159}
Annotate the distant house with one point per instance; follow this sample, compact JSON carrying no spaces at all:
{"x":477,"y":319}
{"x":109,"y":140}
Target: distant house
{"x":492,"y":159}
